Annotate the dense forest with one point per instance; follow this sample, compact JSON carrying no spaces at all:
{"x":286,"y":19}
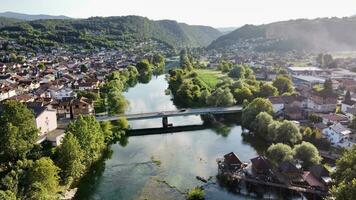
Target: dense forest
{"x":322,"y":34}
{"x":106,"y":32}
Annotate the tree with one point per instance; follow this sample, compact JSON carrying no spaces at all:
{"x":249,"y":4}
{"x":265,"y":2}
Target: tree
{"x":188,"y":93}
{"x":345,"y":166}
{"x":278,"y":153}
{"x":237,"y":72}
{"x":70,"y":158}
{"x":242,"y":94}
{"x":315,"y":118}
{"x":196,"y":194}
{"x":89,"y":95}
{"x":288,"y":132}
{"x":344,"y":191}
{"x":144,"y":67}
{"x":257,"y":106}
{"x":41,"y":66}
{"x":44,"y":179}
{"x":117,"y":103}
{"x":18,"y":130}
{"x":272,"y":131}
{"x":268,"y":90}
{"x":328,"y":85}
{"x":347,"y":96}
{"x":185,"y":62}
{"x":88,"y":132}
{"x":120,"y":127}
{"x":353,"y":123}
{"x":7,"y":195}
{"x":83,"y":68}
{"x":225,"y":66}
{"x":221,"y":97}
{"x":283,"y":84}
{"x":263,"y":119}
{"x":307,"y":153}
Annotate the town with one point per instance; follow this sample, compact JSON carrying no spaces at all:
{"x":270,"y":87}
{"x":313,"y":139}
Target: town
{"x":132,"y":108}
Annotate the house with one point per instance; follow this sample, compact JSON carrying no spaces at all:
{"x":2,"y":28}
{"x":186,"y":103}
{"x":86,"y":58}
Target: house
{"x":338,"y":135}
{"x":309,"y":81}
{"x":82,"y":106}
{"x":6,"y":92}
{"x":45,"y":117}
{"x":63,"y":93}
{"x":333,"y":118}
{"x":260,"y":166}
{"x":350,"y":113}
{"x":304,"y":70}
{"x":232,"y":162}
{"x":277,"y":103}
{"x":322,"y":101}
{"x":312,"y":181}
{"x":321,"y":173}
{"x":56,"y":138}
{"x":63,"y":108}
{"x":291,"y":106}
{"x":346,"y":104}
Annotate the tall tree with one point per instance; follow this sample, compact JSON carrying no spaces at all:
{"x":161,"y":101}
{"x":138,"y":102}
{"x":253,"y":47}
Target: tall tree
{"x":88,"y":132}
{"x":70,"y":158}
{"x":278,"y":153}
{"x":257,"y":106}
{"x":283,"y":84}
{"x":328,"y":85}
{"x":18,"y":131}
{"x":237,"y":72}
{"x":262,"y":121}
{"x":307,"y":153}
{"x":268,"y":90}
{"x":345,"y":166}
{"x":344,"y":191}
{"x":44,"y":179}
{"x":288,"y":132}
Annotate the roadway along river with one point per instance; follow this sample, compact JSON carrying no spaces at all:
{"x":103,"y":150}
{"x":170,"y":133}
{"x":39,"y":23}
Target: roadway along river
{"x":163,"y":166}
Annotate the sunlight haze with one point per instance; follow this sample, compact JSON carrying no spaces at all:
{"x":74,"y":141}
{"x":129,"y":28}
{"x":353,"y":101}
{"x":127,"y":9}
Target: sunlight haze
{"x":221,"y":13}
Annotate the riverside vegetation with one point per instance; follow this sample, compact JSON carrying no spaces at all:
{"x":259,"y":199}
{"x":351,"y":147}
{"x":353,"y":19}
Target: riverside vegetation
{"x":39,"y":171}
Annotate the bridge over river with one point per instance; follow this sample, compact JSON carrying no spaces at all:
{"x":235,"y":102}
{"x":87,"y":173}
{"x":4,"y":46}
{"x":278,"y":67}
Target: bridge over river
{"x":175,"y":113}
{"x":165,"y":114}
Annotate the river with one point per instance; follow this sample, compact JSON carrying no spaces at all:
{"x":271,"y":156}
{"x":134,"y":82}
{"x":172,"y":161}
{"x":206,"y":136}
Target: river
{"x":164,"y":166}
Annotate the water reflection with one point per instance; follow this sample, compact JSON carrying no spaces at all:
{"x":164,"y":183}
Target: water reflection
{"x":130,"y":173}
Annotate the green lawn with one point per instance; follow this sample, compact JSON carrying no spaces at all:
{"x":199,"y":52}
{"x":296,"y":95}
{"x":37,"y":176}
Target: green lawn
{"x":209,"y":77}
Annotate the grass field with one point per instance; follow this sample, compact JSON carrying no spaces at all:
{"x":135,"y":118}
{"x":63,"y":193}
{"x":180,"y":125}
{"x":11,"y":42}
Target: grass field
{"x":209,"y":77}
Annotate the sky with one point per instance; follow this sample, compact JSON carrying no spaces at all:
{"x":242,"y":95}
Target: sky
{"x":216,"y":13}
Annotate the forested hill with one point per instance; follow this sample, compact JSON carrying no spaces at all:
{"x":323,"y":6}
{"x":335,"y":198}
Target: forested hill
{"x":323,"y":34}
{"x":4,"y":21}
{"x":108,"y":32}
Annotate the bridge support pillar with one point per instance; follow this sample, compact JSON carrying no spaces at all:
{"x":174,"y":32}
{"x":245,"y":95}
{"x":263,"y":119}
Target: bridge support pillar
{"x":165,"y":122}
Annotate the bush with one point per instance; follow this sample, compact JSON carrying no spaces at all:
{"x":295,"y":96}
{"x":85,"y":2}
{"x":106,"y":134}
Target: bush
{"x":196,"y":194}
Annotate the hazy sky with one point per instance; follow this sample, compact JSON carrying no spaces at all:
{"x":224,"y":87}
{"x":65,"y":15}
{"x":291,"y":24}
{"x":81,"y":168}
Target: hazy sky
{"x":217,"y":13}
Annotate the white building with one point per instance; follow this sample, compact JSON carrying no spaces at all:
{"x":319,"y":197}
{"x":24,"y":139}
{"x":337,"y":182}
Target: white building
{"x":63,"y":93}
{"x":338,"y":135}
{"x":45,"y":118}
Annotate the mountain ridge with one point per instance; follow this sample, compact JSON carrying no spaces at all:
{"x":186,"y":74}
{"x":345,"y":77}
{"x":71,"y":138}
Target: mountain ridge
{"x":321,"y":34}
{"x":30,"y":17}
{"x":108,"y":31}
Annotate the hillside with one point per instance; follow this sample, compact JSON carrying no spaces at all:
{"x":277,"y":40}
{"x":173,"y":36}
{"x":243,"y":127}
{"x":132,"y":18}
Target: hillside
{"x":326,"y":34}
{"x":108,"y":32}
{"x":7,"y":21}
{"x":28,"y":17}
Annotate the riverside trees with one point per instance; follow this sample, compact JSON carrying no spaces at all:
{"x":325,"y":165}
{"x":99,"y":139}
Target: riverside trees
{"x":25,"y":176}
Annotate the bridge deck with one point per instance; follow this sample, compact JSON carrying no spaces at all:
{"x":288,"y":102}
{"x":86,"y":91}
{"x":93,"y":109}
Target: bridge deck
{"x":174,"y":113}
